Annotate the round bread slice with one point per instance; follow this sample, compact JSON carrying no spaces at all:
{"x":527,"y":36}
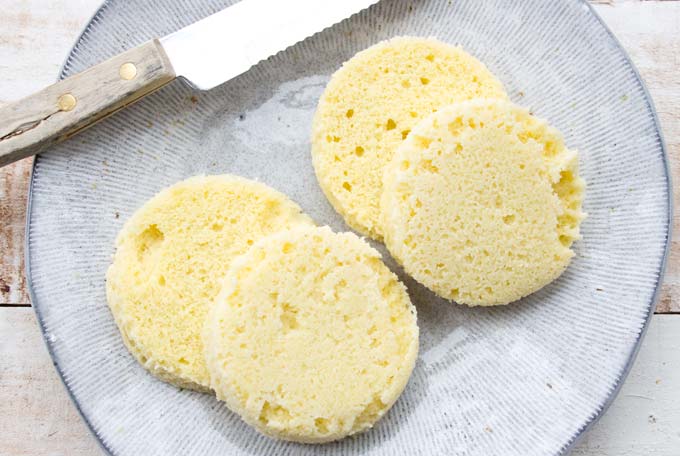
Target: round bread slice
{"x":312,"y":338}
{"x":372,"y":103}
{"x":482,"y":203}
{"x":170,"y":259}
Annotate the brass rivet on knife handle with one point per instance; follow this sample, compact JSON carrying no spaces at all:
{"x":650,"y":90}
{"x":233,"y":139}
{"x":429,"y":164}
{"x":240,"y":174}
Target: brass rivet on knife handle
{"x":62,"y":110}
{"x":67,"y":102}
{"x":128,"y":71}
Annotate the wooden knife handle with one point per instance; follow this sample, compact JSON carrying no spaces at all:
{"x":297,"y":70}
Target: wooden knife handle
{"x":62,"y":110}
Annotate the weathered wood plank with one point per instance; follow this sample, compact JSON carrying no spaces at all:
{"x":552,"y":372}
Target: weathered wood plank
{"x":650,"y":32}
{"x":13,"y":193}
{"x":35,"y":37}
{"x":37,"y":415}
{"x":642,"y":420}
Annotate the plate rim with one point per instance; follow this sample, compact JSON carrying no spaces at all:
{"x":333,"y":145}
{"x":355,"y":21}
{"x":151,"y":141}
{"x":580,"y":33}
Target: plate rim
{"x":622,"y":375}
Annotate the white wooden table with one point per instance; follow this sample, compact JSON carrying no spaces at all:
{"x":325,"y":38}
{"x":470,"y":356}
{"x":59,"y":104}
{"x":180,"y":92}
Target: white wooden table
{"x":36,"y":416}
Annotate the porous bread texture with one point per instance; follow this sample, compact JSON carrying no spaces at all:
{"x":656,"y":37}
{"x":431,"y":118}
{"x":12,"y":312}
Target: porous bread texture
{"x":482,"y":203}
{"x":312,"y":338}
{"x":372,"y":103}
{"x":170,"y":258}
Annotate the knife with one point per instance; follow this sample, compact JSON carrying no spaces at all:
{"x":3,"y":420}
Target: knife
{"x":204,"y":54}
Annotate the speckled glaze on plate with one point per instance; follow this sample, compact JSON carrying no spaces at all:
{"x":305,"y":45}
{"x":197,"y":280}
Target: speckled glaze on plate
{"x":525,"y":379}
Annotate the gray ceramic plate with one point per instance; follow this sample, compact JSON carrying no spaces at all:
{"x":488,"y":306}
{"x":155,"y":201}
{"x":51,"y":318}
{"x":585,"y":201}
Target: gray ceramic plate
{"x":522,"y":380}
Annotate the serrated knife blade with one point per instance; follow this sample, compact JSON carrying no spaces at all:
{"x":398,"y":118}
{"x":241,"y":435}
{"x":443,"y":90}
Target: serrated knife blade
{"x":226,"y":44}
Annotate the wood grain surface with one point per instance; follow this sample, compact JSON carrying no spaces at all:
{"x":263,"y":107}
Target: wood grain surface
{"x":37,"y":416}
{"x":35,"y":38}
{"x":13,"y":194}
{"x":650,"y":32}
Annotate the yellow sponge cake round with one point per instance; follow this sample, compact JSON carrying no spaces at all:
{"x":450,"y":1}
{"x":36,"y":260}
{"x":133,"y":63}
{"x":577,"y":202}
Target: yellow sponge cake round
{"x":312,"y":338}
{"x":482,"y":202}
{"x":170,"y":258}
{"x":372,"y":103}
